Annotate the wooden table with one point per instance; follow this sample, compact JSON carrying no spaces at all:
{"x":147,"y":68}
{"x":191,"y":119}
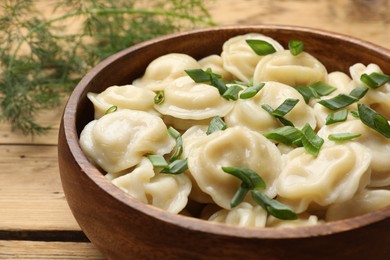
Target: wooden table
{"x":35,"y":221}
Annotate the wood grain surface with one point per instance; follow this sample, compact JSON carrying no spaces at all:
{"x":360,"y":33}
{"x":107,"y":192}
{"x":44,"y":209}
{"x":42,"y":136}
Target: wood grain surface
{"x":34,"y":215}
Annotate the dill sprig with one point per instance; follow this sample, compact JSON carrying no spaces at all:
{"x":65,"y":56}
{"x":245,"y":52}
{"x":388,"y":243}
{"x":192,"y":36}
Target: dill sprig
{"x":42,"y":58}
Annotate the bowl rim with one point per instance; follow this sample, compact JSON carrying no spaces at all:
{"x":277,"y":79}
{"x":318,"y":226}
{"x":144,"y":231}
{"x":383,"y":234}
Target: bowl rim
{"x":191,"y":223}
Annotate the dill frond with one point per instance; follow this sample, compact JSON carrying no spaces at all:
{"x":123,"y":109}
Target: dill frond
{"x":42,"y":59}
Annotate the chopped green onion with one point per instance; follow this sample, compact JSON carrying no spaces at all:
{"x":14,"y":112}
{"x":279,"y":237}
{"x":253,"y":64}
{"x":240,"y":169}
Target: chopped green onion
{"x":251,"y":91}
{"x":355,"y":114}
{"x":285,"y":107}
{"x":249,"y":178}
{"x":216,"y":124}
{"x":282,"y":110}
{"x":158,"y":161}
{"x":339,"y":137}
{"x":322,"y":89}
{"x":286,"y":134}
{"x":359,"y":92}
{"x":111,"y":109}
{"x":198,"y":75}
{"x":273,"y":207}
{"x":375,"y":79}
{"x":219,"y":84}
{"x":261,"y":47}
{"x":239,"y":196}
{"x":176,"y":167}
{"x":295,"y":47}
{"x":179,"y":144}
{"x":311,"y":141}
{"x":159,"y":97}
{"x":232,"y":92}
{"x":374,"y":120}
{"x":306,"y":92}
{"x":339,"y":116}
{"x":201,"y":76}
{"x":338,"y":102}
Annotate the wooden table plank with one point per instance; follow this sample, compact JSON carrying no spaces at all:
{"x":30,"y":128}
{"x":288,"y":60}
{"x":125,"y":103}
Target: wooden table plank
{"x":48,"y":250}
{"x":31,"y":196}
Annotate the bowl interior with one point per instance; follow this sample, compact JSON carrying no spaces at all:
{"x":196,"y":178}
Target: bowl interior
{"x":336,"y":52}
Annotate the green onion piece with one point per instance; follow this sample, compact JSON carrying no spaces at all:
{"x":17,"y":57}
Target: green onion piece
{"x":359,"y":92}
{"x":176,"y":167}
{"x":339,"y":137}
{"x":251,"y":91}
{"x":322,"y":89}
{"x":285,"y":107}
{"x":374,"y":120}
{"x":306,"y":92}
{"x":338,"y":102}
{"x":216,"y":124}
{"x":311,"y":141}
{"x":270,"y":110}
{"x":261,"y":47}
{"x":198,"y":75}
{"x":158,"y":161}
{"x":111,"y":109}
{"x":273,"y":207}
{"x":339,"y":116}
{"x":179,"y":144}
{"x":159,"y":97}
{"x":249,"y":178}
{"x":295,"y":47}
{"x":286,"y":134}
{"x":375,"y":79}
{"x":239,"y":196}
{"x":219,"y":84}
{"x":355,"y":114}
{"x":232,"y":92}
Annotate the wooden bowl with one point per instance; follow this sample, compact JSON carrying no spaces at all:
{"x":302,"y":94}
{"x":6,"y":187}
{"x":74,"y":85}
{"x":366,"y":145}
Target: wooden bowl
{"x":124,"y":228}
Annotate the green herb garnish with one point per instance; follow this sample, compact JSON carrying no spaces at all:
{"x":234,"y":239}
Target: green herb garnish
{"x":111,"y":109}
{"x":261,"y":47}
{"x":359,"y":92}
{"x":251,"y":91}
{"x":176,"y":167}
{"x":340,"y":137}
{"x":339,"y":116}
{"x":315,"y":90}
{"x":375,"y":79}
{"x":311,"y":141}
{"x":179,"y":144}
{"x":282,"y":110}
{"x":159,"y":97}
{"x":286,"y":134}
{"x":295,"y":47}
{"x":216,"y":124}
{"x":232,"y":92}
{"x":207,"y":76}
{"x":251,"y":181}
{"x":338,"y":102}
{"x":374,"y":120}
{"x":158,"y":161}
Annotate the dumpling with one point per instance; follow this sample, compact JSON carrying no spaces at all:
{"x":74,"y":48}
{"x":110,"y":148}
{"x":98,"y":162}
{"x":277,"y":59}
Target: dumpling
{"x":237,"y":147}
{"x":119,"y":140}
{"x":334,"y":176}
{"x":127,"y":96}
{"x":164,"y":69}
{"x":185,"y":99}
{"x":363,"y":202}
{"x":282,"y":66}
{"x":248,"y":112}
{"x":134,"y":181}
{"x":378,"y":99}
{"x":377,"y":145}
{"x":244,"y":215}
{"x":215,"y":63}
{"x":168,"y":191}
{"x":239,"y":58}
{"x":303,"y":220}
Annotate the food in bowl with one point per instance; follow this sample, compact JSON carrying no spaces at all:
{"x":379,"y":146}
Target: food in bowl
{"x":258,"y":136}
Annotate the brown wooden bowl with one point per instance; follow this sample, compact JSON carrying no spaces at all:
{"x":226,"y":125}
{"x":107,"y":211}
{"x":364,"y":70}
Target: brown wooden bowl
{"x":124,"y":228}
